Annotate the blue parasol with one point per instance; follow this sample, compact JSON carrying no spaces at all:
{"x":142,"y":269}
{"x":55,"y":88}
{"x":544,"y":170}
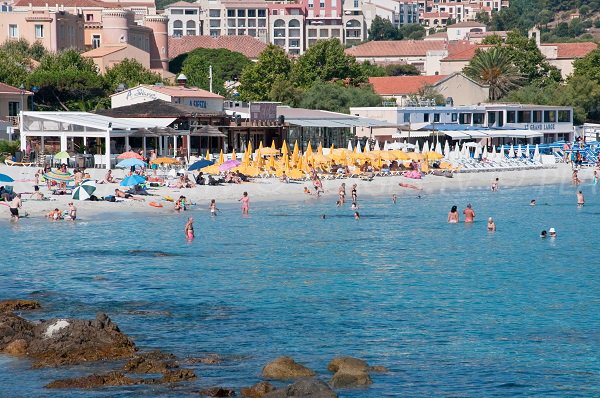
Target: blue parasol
{"x":200,"y":164}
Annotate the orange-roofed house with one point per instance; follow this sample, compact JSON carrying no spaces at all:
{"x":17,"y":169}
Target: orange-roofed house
{"x":405,"y":89}
{"x":191,"y":96}
{"x":249,"y":46}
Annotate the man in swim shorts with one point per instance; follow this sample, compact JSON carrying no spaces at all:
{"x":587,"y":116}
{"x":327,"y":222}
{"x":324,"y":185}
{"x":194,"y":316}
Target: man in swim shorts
{"x":14,"y":207}
{"x":469,"y":214}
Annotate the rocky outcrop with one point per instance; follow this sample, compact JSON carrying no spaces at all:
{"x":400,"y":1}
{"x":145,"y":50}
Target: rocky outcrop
{"x":151,"y":362}
{"x":210,"y":359}
{"x":96,"y":381}
{"x":217,"y":392}
{"x":18,"y":305}
{"x":258,"y":390}
{"x":351,"y":372}
{"x":285,"y":368}
{"x":307,"y":388}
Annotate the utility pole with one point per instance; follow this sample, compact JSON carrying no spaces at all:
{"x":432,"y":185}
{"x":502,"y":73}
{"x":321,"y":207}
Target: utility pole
{"x":210,"y":78}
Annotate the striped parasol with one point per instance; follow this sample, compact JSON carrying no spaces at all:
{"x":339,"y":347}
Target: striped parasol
{"x":84,"y":190}
{"x":58,"y":176}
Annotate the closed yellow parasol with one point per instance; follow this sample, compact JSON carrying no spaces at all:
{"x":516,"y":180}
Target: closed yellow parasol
{"x":295,"y":153}
{"x":284,"y":149}
{"x":221,"y":158}
{"x":165,"y":160}
{"x":431,"y":155}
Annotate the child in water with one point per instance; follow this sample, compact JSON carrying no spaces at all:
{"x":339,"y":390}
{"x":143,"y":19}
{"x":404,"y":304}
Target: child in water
{"x":213,"y":208}
{"x":245,"y":203}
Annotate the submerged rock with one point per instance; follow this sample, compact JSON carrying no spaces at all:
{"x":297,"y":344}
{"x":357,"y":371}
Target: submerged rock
{"x":96,"y":381}
{"x":175,"y":376}
{"x":348,"y":363}
{"x":307,"y":388}
{"x":217,"y":392}
{"x":285,"y":368}
{"x":351,"y":372}
{"x":151,"y":362}
{"x":210,"y":359}
{"x":18,"y":305}
{"x":348,"y":378}
{"x":258,"y":390}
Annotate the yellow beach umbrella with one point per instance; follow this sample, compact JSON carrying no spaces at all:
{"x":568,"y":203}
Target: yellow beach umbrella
{"x":246,"y":159}
{"x":400,"y":155}
{"x":286,"y":162}
{"x":273,"y":145}
{"x":295,"y":174}
{"x":320,"y":158}
{"x":250,"y":147}
{"x":309,"y":151}
{"x":295,"y":152}
{"x":284,"y":149}
{"x":320,"y":149}
{"x":416,"y":156}
{"x":300,"y":164}
{"x":207,"y":156}
{"x":165,"y":160}
{"x":233,"y":154}
{"x":272,"y":161}
{"x":431,"y":155}
{"x":221,"y":158}
{"x":331,"y":150}
{"x":213,"y":169}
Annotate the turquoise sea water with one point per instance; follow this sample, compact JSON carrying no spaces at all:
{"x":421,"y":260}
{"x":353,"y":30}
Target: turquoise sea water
{"x":451,"y":310}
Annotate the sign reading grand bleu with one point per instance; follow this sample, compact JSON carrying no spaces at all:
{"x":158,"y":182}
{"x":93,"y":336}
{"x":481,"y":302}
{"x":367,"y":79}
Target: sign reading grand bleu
{"x":541,"y":126}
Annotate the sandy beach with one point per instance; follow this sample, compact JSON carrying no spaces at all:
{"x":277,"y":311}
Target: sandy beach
{"x":272,"y":189}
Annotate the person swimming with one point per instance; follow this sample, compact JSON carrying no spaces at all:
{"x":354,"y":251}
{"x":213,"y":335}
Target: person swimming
{"x":532,"y":203}
{"x":552,"y":232}
{"x":356,"y":215}
{"x":453,"y":215}
{"x":543,"y":234}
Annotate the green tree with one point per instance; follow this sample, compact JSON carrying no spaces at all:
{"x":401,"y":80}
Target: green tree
{"x":226,"y":65}
{"x":337,"y":98}
{"x":372,"y":70}
{"x":428,"y":93}
{"x":413,"y":31}
{"x":492,"y":40}
{"x":495,"y":68}
{"x":402,"y":70}
{"x":528,"y":59}
{"x":383,"y":29}
{"x":326,"y":61}
{"x":66,"y":81}
{"x":483,"y":17}
{"x":282,"y":90}
{"x":129,"y":72}
{"x":16,"y":60}
{"x":258,"y":79}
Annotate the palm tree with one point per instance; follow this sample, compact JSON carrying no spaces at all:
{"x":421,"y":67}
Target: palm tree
{"x":495,"y":68}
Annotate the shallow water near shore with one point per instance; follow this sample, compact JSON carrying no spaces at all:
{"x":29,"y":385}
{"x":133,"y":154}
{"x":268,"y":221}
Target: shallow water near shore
{"x":450,"y":310}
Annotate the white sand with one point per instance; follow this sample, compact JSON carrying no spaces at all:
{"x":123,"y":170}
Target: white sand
{"x":272,"y":189}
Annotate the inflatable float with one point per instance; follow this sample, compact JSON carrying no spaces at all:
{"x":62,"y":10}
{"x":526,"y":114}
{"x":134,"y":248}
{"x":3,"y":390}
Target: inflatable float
{"x":154,"y":204}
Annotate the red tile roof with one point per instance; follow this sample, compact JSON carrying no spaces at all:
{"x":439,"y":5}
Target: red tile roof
{"x":82,"y":3}
{"x":6,"y":89}
{"x":400,"y":85}
{"x":467,"y":24}
{"x":573,"y":50}
{"x":246,"y":45}
{"x":397,"y":48}
{"x":464,"y":55}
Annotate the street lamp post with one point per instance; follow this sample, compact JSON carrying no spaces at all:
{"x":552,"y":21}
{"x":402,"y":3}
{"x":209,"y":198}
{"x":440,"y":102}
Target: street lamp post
{"x":22,"y":88}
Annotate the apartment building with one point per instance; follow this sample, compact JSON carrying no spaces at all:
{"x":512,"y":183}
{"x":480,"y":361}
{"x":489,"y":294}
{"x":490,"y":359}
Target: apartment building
{"x":436,"y":13}
{"x":236,"y":17}
{"x":184,"y":19}
{"x":287,"y":27}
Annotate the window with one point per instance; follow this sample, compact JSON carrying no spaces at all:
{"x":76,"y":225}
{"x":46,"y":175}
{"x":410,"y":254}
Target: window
{"x":333,"y":3}
{"x":214,"y":13}
{"x":191,"y":12}
{"x":231,"y":13}
{"x":478,"y":118}
{"x":13,"y":31}
{"x":564,"y":116}
{"x":95,"y":41}
{"x":406,"y":117}
{"x":252,"y":13}
{"x":491,"y":118}
{"x":190,"y":28}
{"x":436,"y":117}
{"x":510,"y":117}
{"x":426,"y":117}
{"x":39,"y":31}
{"x":464,"y":118}
{"x":550,"y":116}
{"x":355,"y":3}
{"x":454,"y":117}
{"x":524,"y":117}
{"x":176,"y":12}
{"x":89,"y":17}
{"x":310,"y":4}
{"x":177,"y":28}
{"x":14,"y":108}
{"x":241,"y":13}
{"x":537,"y":116}
{"x":322,"y":4}
{"x":262,"y":13}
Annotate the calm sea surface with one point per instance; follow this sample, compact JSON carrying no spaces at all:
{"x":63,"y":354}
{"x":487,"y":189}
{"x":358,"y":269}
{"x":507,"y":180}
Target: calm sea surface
{"x":451,"y":310}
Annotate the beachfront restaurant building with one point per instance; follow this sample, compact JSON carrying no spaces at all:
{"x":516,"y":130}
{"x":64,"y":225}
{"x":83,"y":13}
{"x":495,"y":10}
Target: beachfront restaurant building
{"x":488,"y":124}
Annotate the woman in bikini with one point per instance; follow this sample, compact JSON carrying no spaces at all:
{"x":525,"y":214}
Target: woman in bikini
{"x":189,"y":229}
{"x":245,"y":203}
{"x":453,"y":215}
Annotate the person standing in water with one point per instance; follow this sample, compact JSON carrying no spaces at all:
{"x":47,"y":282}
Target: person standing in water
{"x":491,"y":225}
{"x":213,"y":208}
{"x":342,"y":193}
{"x":14,"y":207}
{"x":580,"y":199}
{"x":189,"y":229}
{"x":469,"y":214}
{"x":453,"y":215}
{"x":394,"y":198}
{"x":353,"y":193}
{"x":245,"y":203}
{"x":495,"y":184}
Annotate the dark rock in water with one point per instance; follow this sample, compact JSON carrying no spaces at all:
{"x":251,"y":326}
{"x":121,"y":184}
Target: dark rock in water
{"x":18,"y":305}
{"x":210,"y":359}
{"x":346,"y":378}
{"x":66,"y":341}
{"x":349,"y":372}
{"x":151,"y":253}
{"x":348,"y":363}
{"x":285,"y":368}
{"x":378,"y":369}
{"x":175,"y":376}
{"x":96,"y":381}
{"x":151,"y":362}
{"x":258,"y":390}
{"x":217,"y":392}
{"x":307,"y":388}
